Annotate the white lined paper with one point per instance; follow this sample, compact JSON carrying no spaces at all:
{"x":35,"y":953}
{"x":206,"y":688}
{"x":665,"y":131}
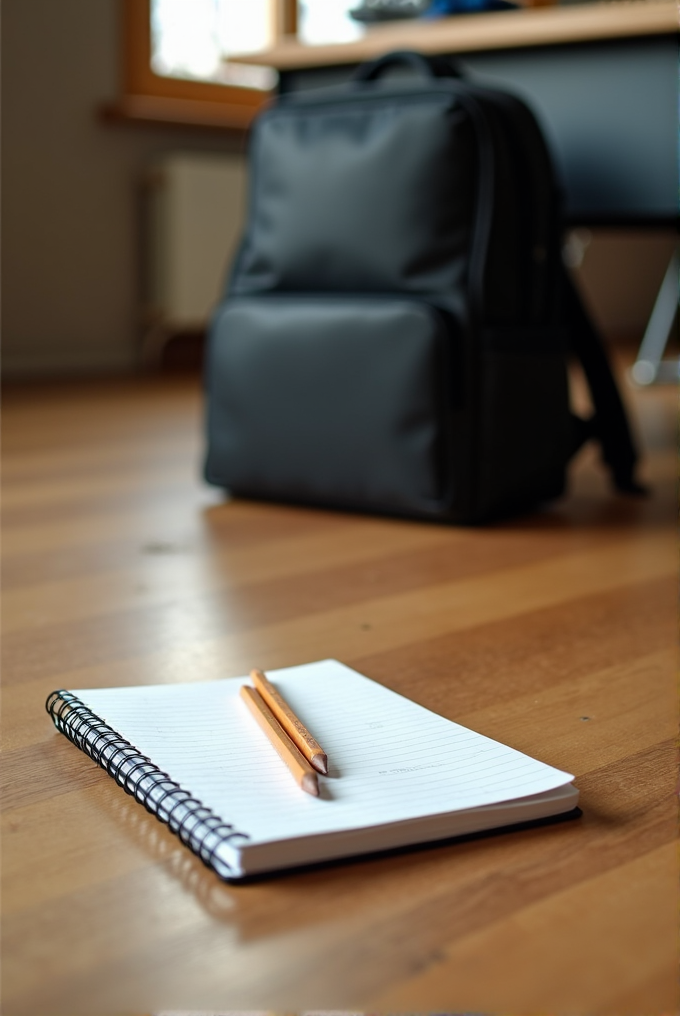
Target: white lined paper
{"x":391,"y":760}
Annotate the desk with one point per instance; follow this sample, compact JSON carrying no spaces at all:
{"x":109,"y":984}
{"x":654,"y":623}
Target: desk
{"x":552,"y":633}
{"x":601,"y":78}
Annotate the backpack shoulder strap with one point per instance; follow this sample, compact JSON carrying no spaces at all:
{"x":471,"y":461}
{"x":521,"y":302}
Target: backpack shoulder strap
{"x":609,"y":424}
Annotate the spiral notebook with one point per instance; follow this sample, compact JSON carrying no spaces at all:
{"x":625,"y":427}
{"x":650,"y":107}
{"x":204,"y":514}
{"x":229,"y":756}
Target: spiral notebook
{"x":399,"y":774}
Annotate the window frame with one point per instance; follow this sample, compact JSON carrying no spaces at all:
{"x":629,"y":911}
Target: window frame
{"x":148,"y":96}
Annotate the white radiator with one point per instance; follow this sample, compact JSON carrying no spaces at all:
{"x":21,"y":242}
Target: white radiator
{"x":193,"y":215}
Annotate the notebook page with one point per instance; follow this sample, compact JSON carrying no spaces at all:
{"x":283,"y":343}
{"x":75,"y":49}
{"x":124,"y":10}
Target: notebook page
{"x":389,"y":758}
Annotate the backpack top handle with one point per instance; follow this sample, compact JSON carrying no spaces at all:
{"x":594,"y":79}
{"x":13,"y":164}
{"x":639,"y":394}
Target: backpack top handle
{"x":438,"y":67}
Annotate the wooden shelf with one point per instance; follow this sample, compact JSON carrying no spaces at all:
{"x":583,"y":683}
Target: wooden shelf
{"x":538,"y":26}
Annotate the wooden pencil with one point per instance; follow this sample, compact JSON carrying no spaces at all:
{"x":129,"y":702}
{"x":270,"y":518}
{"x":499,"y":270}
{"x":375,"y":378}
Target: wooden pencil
{"x":292,"y":725}
{"x":303,"y":773}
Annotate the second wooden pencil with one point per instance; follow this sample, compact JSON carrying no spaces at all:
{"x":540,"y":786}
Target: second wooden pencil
{"x":300,"y":768}
{"x":292,"y":725}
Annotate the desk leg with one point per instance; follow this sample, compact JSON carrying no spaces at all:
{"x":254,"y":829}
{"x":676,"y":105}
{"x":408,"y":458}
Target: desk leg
{"x":649,"y":367}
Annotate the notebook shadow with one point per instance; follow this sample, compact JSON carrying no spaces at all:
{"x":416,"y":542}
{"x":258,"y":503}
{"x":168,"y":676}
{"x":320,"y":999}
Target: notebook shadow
{"x":263,"y":905}
{"x":156,"y":840}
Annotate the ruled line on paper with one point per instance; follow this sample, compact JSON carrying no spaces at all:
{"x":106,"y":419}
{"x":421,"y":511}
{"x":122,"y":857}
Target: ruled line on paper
{"x":396,"y":760}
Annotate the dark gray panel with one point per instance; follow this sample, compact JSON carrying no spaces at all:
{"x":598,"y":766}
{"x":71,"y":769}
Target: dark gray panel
{"x":609,"y":110}
{"x":610,"y":114}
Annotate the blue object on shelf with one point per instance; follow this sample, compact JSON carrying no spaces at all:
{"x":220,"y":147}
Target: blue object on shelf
{"x":440,"y":8}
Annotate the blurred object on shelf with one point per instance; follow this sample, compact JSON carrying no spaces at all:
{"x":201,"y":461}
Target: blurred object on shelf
{"x":392,"y":10}
{"x":442,"y":8}
{"x":389,"y":10}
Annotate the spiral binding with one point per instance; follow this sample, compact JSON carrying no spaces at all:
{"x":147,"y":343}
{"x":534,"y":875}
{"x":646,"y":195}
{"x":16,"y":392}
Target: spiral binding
{"x":197,"y":827}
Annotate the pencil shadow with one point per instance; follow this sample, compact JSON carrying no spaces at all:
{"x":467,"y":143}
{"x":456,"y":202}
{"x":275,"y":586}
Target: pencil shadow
{"x":325,"y":791}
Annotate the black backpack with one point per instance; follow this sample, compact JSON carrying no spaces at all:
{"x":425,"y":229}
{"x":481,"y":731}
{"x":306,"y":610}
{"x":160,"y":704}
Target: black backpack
{"x":398,"y":321}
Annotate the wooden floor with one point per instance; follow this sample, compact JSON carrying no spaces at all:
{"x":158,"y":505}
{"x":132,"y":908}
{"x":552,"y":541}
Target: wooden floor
{"x":554,"y":633}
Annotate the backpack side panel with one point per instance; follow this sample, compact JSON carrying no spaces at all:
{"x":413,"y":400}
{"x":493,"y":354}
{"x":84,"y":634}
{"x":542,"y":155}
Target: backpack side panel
{"x":517,"y":397}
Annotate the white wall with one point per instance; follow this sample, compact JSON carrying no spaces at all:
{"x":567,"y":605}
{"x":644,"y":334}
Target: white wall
{"x":71,"y":234}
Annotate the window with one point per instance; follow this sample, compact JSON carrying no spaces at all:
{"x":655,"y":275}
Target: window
{"x":321,"y":21}
{"x":174,"y":66}
{"x":176,"y":54}
{"x":192,"y":39}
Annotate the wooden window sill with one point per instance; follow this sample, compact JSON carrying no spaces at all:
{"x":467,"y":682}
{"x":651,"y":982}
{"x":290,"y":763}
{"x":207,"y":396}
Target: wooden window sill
{"x":153,"y":109}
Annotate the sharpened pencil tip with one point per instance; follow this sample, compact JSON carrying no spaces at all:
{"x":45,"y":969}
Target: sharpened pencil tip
{"x":320,"y":763}
{"x":310,"y":784}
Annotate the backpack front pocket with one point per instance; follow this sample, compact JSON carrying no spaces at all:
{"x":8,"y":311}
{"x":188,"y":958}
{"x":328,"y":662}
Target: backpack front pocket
{"x":372,"y":196}
{"x":336,"y":401}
